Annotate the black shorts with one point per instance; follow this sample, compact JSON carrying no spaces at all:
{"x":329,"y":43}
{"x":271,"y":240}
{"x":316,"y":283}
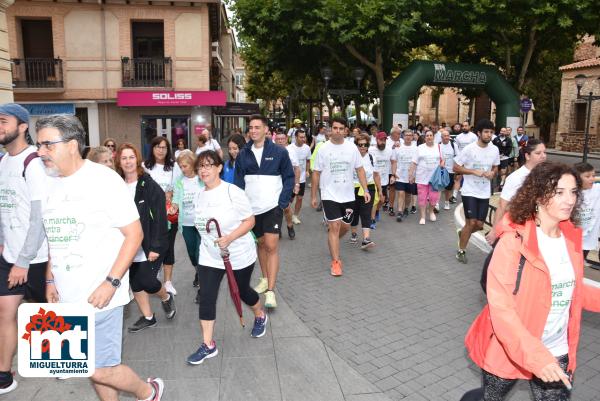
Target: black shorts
{"x":335,"y":211}
{"x":406,"y":187}
{"x":35,"y":287}
{"x":475,"y":208}
{"x":300,"y":191}
{"x":504,"y":164}
{"x":268,"y":222}
{"x":451,"y":183}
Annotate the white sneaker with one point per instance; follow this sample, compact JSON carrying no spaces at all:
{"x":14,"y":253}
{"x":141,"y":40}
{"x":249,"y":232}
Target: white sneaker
{"x":432,"y":216}
{"x":422,"y":222}
{"x":169,"y":287}
{"x":262,"y":286}
{"x":446,"y":205}
{"x":296,"y":220}
{"x":270,"y":301}
{"x":10,"y":388}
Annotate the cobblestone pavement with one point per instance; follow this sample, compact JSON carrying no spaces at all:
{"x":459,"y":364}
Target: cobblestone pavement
{"x":400,"y":312}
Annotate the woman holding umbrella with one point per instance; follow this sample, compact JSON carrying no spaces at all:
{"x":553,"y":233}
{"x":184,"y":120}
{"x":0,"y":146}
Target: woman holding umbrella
{"x":229,"y":206}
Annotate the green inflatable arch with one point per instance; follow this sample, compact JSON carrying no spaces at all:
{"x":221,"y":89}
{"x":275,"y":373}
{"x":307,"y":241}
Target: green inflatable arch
{"x":419,"y":73}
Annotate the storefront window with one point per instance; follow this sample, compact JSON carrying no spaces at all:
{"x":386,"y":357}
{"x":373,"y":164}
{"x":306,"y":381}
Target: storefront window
{"x":171,"y":127}
{"x":82,"y":114}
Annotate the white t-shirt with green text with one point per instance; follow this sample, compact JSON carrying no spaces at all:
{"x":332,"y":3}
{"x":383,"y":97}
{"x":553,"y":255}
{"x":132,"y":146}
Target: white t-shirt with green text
{"x":403,"y":156}
{"x":16,"y":195}
{"x":562,"y":277}
{"x":427,"y":158}
{"x":337,"y":163}
{"x":383,"y":162}
{"x":229,"y":205}
{"x":589,"y":217}
{"x":369,"y":167}
{"x":302,"y":155}
{"x":82,"y":216}
{"x":191,"y":187}
{"x":449,"y":152}
{"x":166,"y":179}
{"x":475,"y":157}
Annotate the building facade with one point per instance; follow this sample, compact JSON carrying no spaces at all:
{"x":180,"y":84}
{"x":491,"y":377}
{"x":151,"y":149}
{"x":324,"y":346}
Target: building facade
{"x":6,"y":94}
{"x":573,"y":111}
{"x":130,"y":70}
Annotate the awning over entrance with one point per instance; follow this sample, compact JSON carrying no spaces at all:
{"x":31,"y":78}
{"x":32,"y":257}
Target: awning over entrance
{"x":170,"y":98}
{"x":232,"y":109}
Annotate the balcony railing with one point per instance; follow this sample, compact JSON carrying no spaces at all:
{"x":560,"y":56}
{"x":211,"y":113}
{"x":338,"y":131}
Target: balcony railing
{"x":146,"y":72}
{"x":37,"y":73}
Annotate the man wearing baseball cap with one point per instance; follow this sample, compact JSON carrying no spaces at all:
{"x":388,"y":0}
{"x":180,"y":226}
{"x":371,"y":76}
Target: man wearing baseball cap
{"x":292,"y":131}
{"x":23,"y":247}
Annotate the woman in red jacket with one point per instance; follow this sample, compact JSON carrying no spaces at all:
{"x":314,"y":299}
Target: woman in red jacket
{"x":530,"y":327}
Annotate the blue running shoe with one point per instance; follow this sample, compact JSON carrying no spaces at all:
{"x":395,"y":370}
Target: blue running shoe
{"x":373,"y":225}
{"x":260,"y":326}
{"x":202,"y":353}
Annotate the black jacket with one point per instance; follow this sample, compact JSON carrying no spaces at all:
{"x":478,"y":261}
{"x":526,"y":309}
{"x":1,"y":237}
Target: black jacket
{"x":504,"y":145}
{"x":151,"y":205}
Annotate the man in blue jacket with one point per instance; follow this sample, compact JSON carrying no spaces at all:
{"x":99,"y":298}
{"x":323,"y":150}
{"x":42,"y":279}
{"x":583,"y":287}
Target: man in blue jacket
{"x":265,"y":172}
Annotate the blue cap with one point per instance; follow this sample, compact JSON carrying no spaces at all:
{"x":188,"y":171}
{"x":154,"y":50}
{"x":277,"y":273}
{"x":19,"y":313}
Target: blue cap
{"x":15,"y":110}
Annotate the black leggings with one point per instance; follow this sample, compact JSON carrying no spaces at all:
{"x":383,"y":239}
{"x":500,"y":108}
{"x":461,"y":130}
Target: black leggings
{"x":142,"y":276}
{"x":211,"y":277}
{"x":496,"y":388}
{"x":170,"y":252}
{"x":362,"y":209}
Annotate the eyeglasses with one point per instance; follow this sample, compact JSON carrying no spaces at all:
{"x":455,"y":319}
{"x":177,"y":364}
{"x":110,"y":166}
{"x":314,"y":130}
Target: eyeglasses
{"x":111,"y":145}
{"x":362,"y":145}
{"x":206,"y":166}
{"x":48,"y":144}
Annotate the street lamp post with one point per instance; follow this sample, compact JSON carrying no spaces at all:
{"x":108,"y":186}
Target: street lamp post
{"x":579,"y":82}
{"x":358,"y":74}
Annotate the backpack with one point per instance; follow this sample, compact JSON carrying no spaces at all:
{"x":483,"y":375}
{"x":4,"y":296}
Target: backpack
{"x":26,"y":162}
{"x":486,"y":264}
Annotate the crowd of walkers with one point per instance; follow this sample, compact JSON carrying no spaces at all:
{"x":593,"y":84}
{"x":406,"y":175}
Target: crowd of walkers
{"x":109,"y":223}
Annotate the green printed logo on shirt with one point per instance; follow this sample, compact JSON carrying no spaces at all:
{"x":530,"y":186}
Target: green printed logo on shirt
{"x":62,"y":231}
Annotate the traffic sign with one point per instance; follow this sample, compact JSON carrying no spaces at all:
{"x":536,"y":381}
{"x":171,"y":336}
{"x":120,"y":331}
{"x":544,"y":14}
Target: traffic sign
{"x":526,"y":105}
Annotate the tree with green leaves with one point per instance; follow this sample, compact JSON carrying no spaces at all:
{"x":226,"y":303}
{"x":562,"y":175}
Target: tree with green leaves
{"x":512,"y":34}
{"x":301,"y":36}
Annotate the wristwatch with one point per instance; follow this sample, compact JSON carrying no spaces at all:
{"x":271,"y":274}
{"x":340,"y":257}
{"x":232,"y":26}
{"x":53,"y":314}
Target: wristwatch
{"x":115,"y":282}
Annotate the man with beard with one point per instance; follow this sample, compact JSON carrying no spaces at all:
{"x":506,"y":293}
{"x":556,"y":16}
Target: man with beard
{"x":23,"y":247}
{"x":466,"y":137}
{"x":455,"y":131}
{"x":382,"y":158}
{"x":394,"y":141}
{"x":478,"y":162}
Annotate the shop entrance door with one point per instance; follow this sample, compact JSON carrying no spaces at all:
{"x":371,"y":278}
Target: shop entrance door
{"x":171,"y":127}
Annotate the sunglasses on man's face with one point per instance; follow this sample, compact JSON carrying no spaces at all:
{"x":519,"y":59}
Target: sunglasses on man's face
{"x":362,"y":145}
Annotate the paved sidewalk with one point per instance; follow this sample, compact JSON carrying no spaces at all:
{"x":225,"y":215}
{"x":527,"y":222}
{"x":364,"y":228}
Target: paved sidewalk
{"x":289,"y":363}
{"x":400,"y":312}
{"x":591,"y":155}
